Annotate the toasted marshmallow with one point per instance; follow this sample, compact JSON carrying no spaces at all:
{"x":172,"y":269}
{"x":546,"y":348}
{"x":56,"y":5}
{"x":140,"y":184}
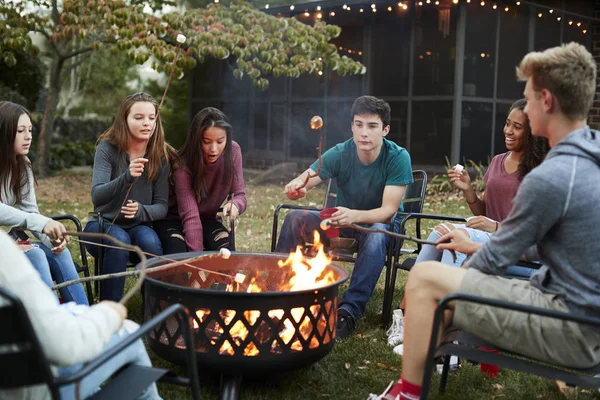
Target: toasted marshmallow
{"x":239,"y":277}
{"x":225,"y":253}
{"x":459,"y":168}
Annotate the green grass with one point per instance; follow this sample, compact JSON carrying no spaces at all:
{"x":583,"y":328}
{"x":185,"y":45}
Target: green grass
{"x":365,"y":363}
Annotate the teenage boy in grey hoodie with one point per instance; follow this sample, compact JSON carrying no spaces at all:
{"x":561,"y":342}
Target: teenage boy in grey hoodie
{"x":555,"y":211}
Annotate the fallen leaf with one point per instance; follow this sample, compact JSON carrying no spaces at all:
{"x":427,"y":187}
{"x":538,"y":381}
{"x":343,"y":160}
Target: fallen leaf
{"x":347,"y":365}
{"x":385,"y":366}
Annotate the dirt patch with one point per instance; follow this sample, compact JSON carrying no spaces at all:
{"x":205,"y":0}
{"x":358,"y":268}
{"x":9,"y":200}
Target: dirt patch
{"x":67,"y":187}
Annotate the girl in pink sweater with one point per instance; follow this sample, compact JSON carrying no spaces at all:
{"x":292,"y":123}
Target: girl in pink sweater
{"x":210,"y":173}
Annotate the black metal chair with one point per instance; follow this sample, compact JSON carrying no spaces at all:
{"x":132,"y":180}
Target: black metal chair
{"x":468,"y":346}
{"x":82,"y":268}
{"x":414,"y":197}
{"x":23,"y":362}
{"x":407,"y":264}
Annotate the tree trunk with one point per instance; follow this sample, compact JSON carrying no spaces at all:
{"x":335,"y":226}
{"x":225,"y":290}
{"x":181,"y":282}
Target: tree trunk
{"x":42,"y":157}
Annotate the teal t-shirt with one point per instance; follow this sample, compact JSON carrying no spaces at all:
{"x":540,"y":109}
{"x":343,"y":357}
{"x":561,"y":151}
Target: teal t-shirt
{"x":360,"y":187}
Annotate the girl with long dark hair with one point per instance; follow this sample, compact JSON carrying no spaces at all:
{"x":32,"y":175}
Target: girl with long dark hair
{"x":19,"y":210}
{"x":210,"y":173}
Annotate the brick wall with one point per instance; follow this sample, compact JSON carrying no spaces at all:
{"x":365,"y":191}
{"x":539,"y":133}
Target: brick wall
{"x":594,"y":116}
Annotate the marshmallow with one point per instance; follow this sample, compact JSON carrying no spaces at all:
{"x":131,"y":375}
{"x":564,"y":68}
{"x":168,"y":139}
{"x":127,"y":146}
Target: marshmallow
{"x":458,"y":168}
{"x":239,"y":277}
{"x":325,"y":224}
{"x":181,"y":38}
{"x":225,"y":253}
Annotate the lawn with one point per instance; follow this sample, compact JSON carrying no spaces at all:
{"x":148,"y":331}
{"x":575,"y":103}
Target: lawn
{"x":365,"y":363}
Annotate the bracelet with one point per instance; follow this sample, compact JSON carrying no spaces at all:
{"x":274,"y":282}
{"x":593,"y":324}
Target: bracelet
{"x":496,"y":226}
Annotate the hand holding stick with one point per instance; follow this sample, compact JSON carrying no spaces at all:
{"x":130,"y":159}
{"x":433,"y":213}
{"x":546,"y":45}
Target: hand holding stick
{"x":328,"y":224}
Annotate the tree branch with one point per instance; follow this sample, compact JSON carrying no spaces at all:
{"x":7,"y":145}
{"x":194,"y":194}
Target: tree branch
{"x":77,"y":52}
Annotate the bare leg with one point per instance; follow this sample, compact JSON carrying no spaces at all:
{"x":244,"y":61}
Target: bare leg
{"x":427,"y":283}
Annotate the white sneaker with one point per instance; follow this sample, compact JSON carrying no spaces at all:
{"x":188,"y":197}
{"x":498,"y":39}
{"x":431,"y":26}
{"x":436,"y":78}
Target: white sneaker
{"x":399,"y":349}
{"x":396,"y":331}
{"x":454,"y":365}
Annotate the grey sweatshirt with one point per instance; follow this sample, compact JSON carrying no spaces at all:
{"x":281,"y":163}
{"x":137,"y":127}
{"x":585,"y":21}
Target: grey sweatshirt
{"x":556,"y":209}
{"x":27,"y":215}
{"x":111,"y":180}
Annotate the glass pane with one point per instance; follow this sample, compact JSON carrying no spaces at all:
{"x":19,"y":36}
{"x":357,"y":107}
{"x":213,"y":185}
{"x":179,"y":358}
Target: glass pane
{"x":514,"y":32}
{"x":337,"y":123}
{"x":501,"y":115}
{"x":577,"y":31}
{"x":303,"y":141}
{"x":476,"y":132}
{"x":350,"y":44}
{"x":398,"y":124}
{"x":238,"y":115}
{"x":388,"y":69}
{"x":431,"y":132}
{"x":547,"y":29}
{"x":308,"y":85}
{"x":205,"y":76}
{"x":260,"y":133}
{"x":276,"y":89}
{"x":435,"y":50}
{"x":277,"y":127}
{"x":480,"y":45}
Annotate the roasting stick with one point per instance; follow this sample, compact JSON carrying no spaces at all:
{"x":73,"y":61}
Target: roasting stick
{"x":224,"y":253}
{"x":316,"y":123}
{"x":328,"y":224}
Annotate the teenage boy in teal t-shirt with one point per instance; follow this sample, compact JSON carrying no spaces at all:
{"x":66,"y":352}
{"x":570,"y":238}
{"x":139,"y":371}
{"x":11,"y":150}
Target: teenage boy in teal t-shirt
{"x":372,"y":173}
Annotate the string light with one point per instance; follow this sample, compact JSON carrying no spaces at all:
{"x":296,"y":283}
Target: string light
{"x":306,"y":14}
{"x":266,"y":7}
{"x":374,"y":10}
{"x":506,"y":9}
{"x":551,"y":11}
{"x":344,"y":6}
{"x":332,"y":13}
{"x":570,"y":22}
{"x":482,"y":3}
{"x":373,"y":6}
{"x":320,"y":73}
{"x":539,"y":15}
{"x":494,"y":6}
{"x":455,"y":1}
{"x":291,"y":7}
{"x":361,"y":10}
{"x":579,"y":24}
{"x":420,"y":3}
{"x":318,"y":8}
{"x":389,"y":8}
{"x":437,"y":3}
{"x":482,"y":55}
{"x":518,"y":3}
{"x":468,"y":1}
{"x":558,"y":18}
{"x":347,"y":8}
{"x":584,"y":31}
{"x":428,"y":1}
{"x":319,"y":15}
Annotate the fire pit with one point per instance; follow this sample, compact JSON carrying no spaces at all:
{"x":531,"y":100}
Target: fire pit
{"x":279,"y":318}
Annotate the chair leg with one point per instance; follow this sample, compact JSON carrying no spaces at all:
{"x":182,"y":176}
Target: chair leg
{"x":385,"y":317}
{"x":445,"y":370}
{"x":388,"y":295}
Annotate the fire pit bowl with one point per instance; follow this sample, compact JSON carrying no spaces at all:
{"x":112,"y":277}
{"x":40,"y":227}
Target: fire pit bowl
{"x":240,"y":333}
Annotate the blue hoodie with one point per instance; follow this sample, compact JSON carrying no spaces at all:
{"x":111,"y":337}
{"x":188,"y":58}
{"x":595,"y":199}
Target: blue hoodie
{"x":556,"y":209}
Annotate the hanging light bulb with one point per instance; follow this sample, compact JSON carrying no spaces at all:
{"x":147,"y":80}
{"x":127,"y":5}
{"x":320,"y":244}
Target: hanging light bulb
{"x":318,"y":8}
{"x":266,"y":7}
{"x":506,"y":9}
{"x":292,"y":7}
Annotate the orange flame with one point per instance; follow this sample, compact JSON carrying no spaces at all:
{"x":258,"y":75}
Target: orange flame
{"x":308,"y":273}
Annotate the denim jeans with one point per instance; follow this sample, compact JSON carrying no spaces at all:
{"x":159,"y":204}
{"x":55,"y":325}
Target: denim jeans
{"x":430,"y":253}
{"x":116,"y":260}
{"x":59,"y":268}
{"x":133,"y":354}
{"x":298,"y":228}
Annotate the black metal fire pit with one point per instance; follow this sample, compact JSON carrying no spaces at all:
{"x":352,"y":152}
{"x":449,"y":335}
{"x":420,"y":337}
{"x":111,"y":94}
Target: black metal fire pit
{"x":240,"y":334}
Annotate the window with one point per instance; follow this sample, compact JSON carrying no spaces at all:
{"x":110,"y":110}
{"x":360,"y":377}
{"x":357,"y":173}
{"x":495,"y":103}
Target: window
{"x":238,"y":115}
{"x":435,"y":49}
{"x":480,"y":46}
{"x":398,"y":123}
{"x":337,"y":122}
{"x":514,"y":31}
{"x":476,"y":129}
{"x":431,"y":132}
{"x":501,"y":116}
{"x":547,"y":29}
{"x":390,"y":43}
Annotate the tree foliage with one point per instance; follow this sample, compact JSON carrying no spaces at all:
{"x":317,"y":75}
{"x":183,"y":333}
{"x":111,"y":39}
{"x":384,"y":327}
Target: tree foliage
{"x":257,"y":45}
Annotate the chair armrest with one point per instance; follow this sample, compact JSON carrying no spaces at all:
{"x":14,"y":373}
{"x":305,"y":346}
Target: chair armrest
{"x":129,"y":339}
{"x":276,"y":219}
{"x":419,"y":217}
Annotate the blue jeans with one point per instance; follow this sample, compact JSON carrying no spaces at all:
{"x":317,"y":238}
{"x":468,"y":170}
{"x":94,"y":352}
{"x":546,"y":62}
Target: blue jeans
{"x":59,"y":268}
{"x":298,"y":228}
{"x":430,"y":253}
{"x":116,"y":260}
{"x":133,"y":354}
